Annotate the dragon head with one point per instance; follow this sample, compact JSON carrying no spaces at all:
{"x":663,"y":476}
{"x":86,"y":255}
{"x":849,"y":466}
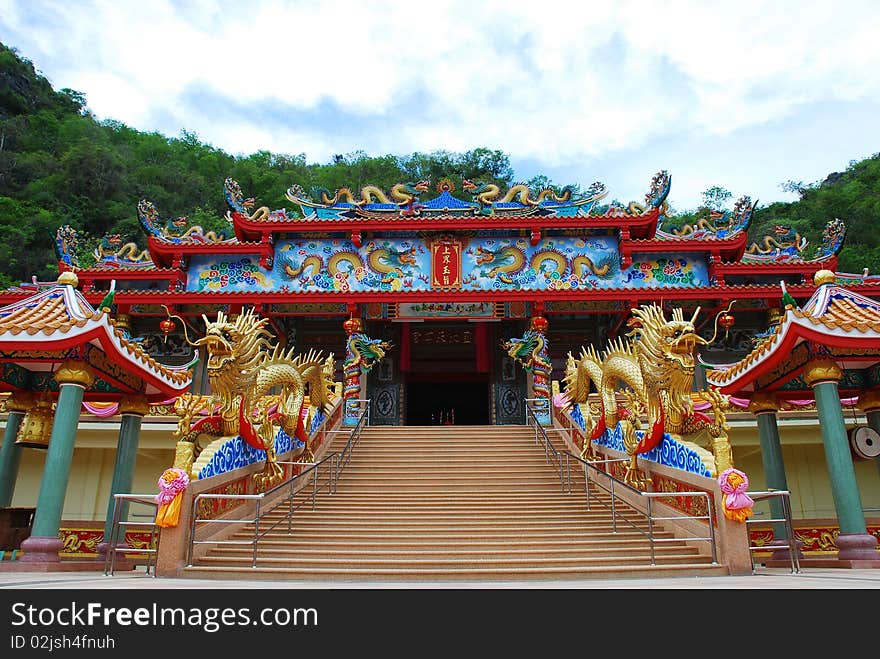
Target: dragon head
{"x":408,"y":256}
{"x":525,"y":349}
{"x":484,"y":256}
{"x":666,"y":347}
{"x":233,"y":348}
{"x":371,"y":351}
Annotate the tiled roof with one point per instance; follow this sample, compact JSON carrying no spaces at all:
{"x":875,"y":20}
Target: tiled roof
{"x":62,"y":312}
{"x":843,"y":315}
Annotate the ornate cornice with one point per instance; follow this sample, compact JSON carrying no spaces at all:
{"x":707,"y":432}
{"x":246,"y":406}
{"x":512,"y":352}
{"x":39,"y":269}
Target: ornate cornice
{"x":822,"y":370}
{"x":762,"y":403}
{"x":20,"y":401}
{"x":869,"y":401}
{"x":75,"y":372}
{"x":134,"y":405}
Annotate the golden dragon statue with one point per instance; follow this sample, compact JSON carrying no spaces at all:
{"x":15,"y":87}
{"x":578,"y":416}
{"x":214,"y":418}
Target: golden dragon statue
{"x":401,"y":194}
{"x":487,"y":193}
{"x":244,"y":367}
{"x":112,"y":248}
{"x":656,"y":366}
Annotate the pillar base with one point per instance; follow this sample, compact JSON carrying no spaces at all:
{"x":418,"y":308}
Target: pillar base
{"x":41,"y":549}
{"x":857,"y":547}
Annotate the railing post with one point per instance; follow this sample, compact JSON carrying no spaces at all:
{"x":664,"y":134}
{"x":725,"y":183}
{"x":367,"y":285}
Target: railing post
{"x":315,"y":473}
{"x":709,"y":512}
{"x":613,"y":511}
{"x":256,"y":533}
{"x":651,"y":531}
{"x":290,"y":507}
{"x":587,"y":484}
{"x":789,"y":530}
{"x":192,"y":530}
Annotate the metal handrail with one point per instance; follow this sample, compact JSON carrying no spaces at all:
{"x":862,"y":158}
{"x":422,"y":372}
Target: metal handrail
{"x":791,"y":541}
{"x":337,"y":461}
{"x":648,"y":497}
{"x":290,"y":484}
{"x":541,"y":438}
{"x":355,"y":435}
{"x":120,"y":504}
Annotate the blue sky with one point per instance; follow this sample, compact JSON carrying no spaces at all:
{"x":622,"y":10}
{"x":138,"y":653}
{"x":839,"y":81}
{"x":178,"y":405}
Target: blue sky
{"x":744,"y":95}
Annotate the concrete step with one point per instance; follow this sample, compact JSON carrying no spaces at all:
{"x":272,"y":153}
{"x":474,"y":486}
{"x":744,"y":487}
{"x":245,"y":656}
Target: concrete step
{"x":451,"y":503}
{"x":458,"y":574}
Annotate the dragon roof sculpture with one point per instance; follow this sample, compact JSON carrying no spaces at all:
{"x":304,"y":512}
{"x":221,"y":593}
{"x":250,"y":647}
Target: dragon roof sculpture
{"x":719,"y":224}
{"x":405,"y":200}
{"x":788,"y":245}
{"x":177,"y":230}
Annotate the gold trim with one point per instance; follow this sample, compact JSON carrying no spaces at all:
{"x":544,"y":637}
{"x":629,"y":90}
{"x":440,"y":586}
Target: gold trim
{"x":68,"y":277}
{"x":75,"y":372}
{"x":20,"y":401}
{"x":134,"y":405}
{"x":761,"y":403}
{"x":869,"y":401}
{"x":822,"y":370}
{"x":824,"y":277}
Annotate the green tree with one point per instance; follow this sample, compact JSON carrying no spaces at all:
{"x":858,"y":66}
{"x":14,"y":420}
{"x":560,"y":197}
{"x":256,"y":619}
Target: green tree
{"x":716,"y":198}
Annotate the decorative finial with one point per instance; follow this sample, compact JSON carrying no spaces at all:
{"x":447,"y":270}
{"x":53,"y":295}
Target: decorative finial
{"x":69,"y":278}
{"x":824,"y":277}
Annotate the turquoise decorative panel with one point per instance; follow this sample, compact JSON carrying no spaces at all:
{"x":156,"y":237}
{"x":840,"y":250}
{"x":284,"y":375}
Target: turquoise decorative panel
{"x":556,"y":263}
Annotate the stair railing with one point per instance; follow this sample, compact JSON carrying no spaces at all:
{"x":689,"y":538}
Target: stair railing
{"x":620,"y":505}
{"x":116,"y":542}
{"x":784,"y":498}
{"x":354,"y":436}
{"x":551,"y":454}
{"x":275,"y":498}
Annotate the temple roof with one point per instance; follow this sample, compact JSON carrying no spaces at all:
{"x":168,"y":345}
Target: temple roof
{"x":835,"y":322}
{"x":59,"y":324}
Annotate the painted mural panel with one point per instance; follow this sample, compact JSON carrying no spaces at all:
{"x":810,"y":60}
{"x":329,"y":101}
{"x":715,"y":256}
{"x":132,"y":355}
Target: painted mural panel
{"x":558,"y":263}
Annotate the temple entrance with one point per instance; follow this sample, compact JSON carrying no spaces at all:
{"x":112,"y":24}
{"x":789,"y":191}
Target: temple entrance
{"x":453,"y":402}
{"x":448,"y":374}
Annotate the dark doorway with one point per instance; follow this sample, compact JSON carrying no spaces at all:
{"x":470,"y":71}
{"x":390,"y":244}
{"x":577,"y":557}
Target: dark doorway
{"x":459,"y":403}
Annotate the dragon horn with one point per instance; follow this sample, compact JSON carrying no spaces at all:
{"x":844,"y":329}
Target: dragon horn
{"x":696,"y":313}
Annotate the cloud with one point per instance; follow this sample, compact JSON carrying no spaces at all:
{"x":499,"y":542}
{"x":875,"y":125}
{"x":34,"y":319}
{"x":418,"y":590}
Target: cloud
{"x":556,"y":84}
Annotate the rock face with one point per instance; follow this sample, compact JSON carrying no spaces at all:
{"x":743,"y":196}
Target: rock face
{"x":24,"y":91}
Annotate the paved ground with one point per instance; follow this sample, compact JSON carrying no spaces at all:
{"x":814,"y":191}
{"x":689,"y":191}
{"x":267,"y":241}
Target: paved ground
{"x":765,"y":578}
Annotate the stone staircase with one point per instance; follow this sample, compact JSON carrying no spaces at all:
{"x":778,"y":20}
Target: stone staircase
{"x":450,"y":503}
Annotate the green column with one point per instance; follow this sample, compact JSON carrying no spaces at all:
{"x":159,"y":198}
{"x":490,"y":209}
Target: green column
{"x":43,"y":544}
{"x":764,"y":407}
{"x":10,"y":452}
{"x":132,"y":410}
{"x":854,"y":542}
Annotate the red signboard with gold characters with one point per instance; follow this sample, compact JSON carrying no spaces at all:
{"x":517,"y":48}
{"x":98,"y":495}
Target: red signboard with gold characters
{"x":446,"y":264}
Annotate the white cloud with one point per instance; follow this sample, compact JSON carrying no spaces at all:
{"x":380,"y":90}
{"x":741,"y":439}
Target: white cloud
{"x":557,"y":83}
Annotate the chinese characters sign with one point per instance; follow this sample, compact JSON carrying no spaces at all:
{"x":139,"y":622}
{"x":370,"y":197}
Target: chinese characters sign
{"x":446,"y":264}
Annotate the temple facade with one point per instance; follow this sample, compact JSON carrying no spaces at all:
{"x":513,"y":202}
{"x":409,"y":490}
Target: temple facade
{"x":449,"y":301}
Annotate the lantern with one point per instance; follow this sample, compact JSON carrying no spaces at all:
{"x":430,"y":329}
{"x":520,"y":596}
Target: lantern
{"x":726,"y":321}
{"x":352,"y":325}
{"x":167,"y":326}
{"x":540,"y":324}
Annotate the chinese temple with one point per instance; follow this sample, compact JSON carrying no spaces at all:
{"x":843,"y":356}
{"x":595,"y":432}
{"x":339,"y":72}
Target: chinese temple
{"x":446,"y":273}
{"x":454,"y":301}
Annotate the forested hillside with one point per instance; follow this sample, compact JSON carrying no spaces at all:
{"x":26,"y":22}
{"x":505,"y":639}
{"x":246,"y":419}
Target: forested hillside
{"x":59,"y":165}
